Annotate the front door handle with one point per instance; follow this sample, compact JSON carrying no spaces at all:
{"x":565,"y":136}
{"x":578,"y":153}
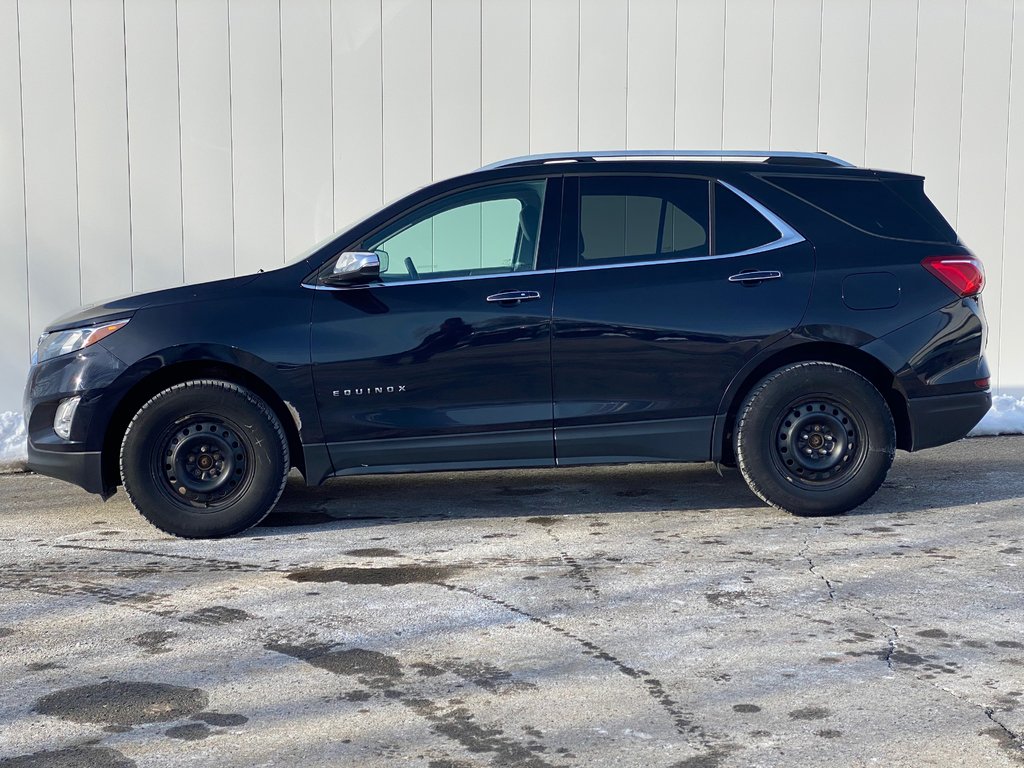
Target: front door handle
{"x":754,"y":276}
{"x":508,"y":298}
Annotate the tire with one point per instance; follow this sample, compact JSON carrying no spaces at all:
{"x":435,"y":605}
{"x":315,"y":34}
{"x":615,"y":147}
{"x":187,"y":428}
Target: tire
{"x":204,"y":459}
{"x":814,"y":439}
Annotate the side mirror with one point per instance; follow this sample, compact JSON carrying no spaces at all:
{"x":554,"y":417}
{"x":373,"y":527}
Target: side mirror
{"x":354,"y":267}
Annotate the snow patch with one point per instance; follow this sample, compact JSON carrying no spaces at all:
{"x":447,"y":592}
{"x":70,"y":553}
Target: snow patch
{"x":12,"y":439}
{"x":1006,"y":417}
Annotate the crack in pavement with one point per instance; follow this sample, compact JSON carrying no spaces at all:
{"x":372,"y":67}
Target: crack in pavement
{"x":892,"y":638}
{"x":576,"y":571}
{"x":812,"y":568}
{"x":712,"y":745}
{"x":212,"y":561}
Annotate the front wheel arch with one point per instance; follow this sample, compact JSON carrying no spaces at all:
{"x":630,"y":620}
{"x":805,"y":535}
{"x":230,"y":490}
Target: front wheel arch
{"x":177,"y":373}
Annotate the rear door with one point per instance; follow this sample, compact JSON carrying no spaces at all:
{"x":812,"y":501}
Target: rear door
{"x":666,"y":286}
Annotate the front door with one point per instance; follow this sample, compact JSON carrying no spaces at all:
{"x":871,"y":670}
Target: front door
{"x":446,"y":361}
{"x":652,"y":318}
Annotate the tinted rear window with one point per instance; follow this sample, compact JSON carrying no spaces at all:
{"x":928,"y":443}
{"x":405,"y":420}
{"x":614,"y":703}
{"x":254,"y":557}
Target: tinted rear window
{"x":867,"y":204}
{"x":634,"y":219}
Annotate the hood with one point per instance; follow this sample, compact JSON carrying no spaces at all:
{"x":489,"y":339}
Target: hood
{"x":126,"y":306}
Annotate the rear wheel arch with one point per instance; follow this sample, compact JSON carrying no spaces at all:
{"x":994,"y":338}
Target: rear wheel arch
{"x":177,"y":373}
{"x":872,"y":369}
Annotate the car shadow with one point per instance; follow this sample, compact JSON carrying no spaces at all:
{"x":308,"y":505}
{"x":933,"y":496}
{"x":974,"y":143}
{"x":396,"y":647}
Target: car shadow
{"x":381,"y":499}
{"x":968,"y":472}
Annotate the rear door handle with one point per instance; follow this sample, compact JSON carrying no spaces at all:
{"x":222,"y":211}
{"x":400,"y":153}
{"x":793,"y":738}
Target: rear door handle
{"x":513,"y":297}
{"x":756,"y":276}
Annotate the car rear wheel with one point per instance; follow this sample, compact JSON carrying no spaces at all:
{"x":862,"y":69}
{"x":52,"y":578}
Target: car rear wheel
{"x":204,"y":459}
{"x":814,"y":438}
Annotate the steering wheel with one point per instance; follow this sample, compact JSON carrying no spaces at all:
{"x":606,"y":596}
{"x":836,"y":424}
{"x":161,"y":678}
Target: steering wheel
{"x":411,"y":268}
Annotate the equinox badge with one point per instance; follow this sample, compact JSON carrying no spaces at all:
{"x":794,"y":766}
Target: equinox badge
{"x":368,"y":391}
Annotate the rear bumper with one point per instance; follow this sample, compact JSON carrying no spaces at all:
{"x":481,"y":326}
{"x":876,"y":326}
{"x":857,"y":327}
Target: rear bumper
{"x":944,"y":418}
{"x":83,"y":468}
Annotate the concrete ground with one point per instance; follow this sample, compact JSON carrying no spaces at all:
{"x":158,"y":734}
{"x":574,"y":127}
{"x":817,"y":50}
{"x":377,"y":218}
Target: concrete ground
{"x":643,"y":615}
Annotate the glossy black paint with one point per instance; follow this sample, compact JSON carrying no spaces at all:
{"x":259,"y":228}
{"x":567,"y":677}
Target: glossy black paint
{"x":641,"y":354}
{"x":628,"y":363}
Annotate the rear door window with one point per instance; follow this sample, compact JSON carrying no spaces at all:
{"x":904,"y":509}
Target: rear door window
{"x":626,"y":219}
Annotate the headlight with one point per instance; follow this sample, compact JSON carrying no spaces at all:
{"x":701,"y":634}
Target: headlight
{"x":60,"y":343}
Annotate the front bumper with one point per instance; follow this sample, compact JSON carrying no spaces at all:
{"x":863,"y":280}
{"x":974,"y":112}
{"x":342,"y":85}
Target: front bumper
{"x":83,"y":468}
{"x":87,"y":374}
{"x":942,"y":419}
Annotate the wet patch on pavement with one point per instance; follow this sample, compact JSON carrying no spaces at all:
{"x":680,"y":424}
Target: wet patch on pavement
{"x":216,"y":615}
{"x":153,"y":642}
{"x":221,"y":719}
{"x":373,"y":552}
{"x":386,"y":577}
{"x":85,"y":756}
{"x":188,"y":732}
{"x":384,"y":675}
{"x":123,"y":703}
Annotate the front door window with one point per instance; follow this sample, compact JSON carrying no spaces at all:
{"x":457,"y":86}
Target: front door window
{"x":489,"y":231}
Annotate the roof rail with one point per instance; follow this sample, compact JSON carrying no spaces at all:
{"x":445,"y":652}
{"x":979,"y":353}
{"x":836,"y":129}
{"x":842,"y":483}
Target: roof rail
{"x":558,"y":157}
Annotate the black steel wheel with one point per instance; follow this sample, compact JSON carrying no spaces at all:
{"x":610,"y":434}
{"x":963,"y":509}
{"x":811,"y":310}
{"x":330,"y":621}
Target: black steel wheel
{"x":204,"y":459}
{"x":814,"y":438}
{"x":817,"y":441}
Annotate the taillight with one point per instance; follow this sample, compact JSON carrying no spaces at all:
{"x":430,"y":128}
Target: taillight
{"x":963,"y":274}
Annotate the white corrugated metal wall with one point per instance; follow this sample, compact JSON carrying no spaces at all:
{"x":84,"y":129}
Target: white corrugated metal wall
{"x":144,"y":143}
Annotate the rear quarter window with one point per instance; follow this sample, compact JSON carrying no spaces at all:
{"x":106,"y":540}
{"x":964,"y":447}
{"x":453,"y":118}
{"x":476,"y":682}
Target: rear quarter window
{"x":867,"y":204}
{"x":738,"y":227}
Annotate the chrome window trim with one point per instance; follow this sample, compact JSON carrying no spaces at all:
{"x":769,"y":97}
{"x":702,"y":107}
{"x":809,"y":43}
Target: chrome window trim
{"x":787,"y":236}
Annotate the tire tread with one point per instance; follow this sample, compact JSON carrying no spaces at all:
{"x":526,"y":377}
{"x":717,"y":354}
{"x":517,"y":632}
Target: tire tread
{"x":250,"y":397}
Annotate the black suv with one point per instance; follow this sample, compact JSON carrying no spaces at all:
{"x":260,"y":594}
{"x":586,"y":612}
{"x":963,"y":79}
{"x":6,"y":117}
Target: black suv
{"x":784,"y":312}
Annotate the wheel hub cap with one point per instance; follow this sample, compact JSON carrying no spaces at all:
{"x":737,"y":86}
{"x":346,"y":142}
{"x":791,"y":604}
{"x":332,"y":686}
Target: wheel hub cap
{"x":815,"y":442}
{"x":204,"y":461}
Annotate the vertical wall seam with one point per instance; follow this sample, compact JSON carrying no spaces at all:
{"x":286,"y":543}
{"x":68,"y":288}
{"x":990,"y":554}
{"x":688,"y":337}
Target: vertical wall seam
{"x":771,"y":77}
{"x":480,"y":110}
{"x":430,"y":59}
{"x":867,"y":85}
{"x":280,"y":74}
{"x":128,"y":149}
{"x":74,"y":135}
{"x":917,"y":54}
{"x":725,"y":53}
{"x":1006,"y":186}
{"x":817,"y":104}
{"x":24,"y":180}
{"x":579,"y":42}
{"x":960,"y":138}
{"x":625,"y":100}
{"x":334,"y":170}
{"x":181,"y":167}
{"x":675,"y":67}
{"x":231,"y":135}
{"x":529,"y":100}
{"x":383,"y":131}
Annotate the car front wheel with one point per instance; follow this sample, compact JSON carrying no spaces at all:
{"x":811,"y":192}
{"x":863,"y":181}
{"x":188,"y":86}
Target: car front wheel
{"x":814,"y":438}
{"x":204,"y":459}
